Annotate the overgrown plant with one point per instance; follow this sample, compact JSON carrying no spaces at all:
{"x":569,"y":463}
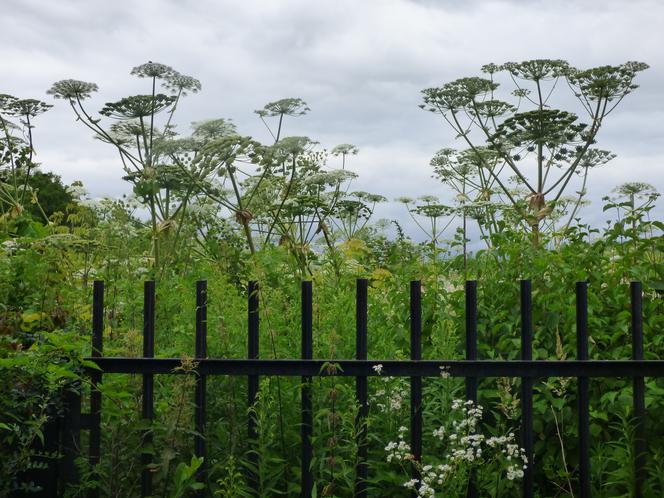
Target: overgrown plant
{"x":138,"y":140}
{"x":496,"y":461}
{"x":529,"y":139}
{"x":17,"y":150}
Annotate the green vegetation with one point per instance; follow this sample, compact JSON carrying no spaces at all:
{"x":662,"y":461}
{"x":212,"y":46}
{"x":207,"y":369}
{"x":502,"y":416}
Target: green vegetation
{"x":229,"y":209}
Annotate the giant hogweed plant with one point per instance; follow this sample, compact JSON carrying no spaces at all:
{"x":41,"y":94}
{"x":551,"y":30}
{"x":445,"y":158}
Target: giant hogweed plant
{"x":263,"y":188}
{"x":311,"y":199}
{"x":292,"y":106}
{"x":528,"y":138}
{"x":429,"y":215}
{"x":284,"y":192}
{"x":477,"y":198}
{"x":17,"y":151}
{"x":327,"y":206}
{"x":315,"y":199}
{"x":473,"y":191}
{"x":351,"y":214}
{"x":240,"y":169}
{"x":140,"y":142}
{"x":254,"y":182}
{"x":635,"y":232}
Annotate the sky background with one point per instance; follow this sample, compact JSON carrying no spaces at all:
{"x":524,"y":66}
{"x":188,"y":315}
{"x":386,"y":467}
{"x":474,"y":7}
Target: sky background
{"x":360,"y":65}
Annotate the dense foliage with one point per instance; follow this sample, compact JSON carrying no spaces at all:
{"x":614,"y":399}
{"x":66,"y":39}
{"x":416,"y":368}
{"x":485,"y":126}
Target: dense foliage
{"x":230,"y":209}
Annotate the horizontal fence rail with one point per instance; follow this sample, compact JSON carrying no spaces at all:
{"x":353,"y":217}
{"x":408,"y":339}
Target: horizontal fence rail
{"x":390,"y":368}
{"x":307,"y":367}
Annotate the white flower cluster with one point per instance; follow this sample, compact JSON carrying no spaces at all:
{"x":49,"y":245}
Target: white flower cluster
{"x":9,"y":245}
{"x":131,"y":203}
{"x":431,"y":477}
{"x":512,"y":453}
{"x":93,"y":204}
{"x":202,"y":209}
{"x":422,"y":488}
{"x":399,"y":450}
{"x":514,"y":472}
{"x":90,"y":273}
{"x":392,"y":396}
{"x":77,"y":190}
{"x":466,"y":448}
{"x":331,"y":177}
{"x":471,"y":415}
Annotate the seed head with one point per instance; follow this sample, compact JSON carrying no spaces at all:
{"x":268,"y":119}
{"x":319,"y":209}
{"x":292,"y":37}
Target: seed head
{"x":152,"y":70}
{"x":181,"y":83}
{"x":72,"y":89}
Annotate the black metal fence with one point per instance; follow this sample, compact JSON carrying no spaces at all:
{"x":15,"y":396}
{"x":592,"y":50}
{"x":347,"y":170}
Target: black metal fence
{"x":471,"y":369}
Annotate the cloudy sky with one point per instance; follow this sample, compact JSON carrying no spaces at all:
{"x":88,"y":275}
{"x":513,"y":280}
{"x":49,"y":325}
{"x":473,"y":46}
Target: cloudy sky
{"x":360,"y":65}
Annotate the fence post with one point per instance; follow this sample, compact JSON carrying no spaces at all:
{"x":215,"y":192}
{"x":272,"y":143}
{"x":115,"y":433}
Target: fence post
{"x":361,"y":386}
{"x":200,"y":398}
{"x":471,"y":354}
{"x":147,"y":409}
{"x":252,"y":391}
{"x":51,"y":447}
{"x":416,"y":382}
{"x":47,"y":449}
{"x":95,"y":378}
{"x":583,"y":396}
{"x":640,"y":445}
{"x":307,"y":414}
{"x":527,"y":386}
{"x":71,"y":438}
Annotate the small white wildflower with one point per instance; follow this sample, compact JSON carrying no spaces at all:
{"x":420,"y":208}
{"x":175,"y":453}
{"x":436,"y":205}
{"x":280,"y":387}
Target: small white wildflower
{"x":426,"y":491}
{"x":9,"y":244}
{"x":513,"y":472}
{"x":410,"y":484}
{"x":444,"y":372}
{"x":77,"y":190}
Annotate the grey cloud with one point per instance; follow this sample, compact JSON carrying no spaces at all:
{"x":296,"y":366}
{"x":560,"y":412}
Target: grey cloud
{"x":359,"y":65}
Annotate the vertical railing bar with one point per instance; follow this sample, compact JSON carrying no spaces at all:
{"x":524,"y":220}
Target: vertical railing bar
{"x":51,"y":446}
{"x":71,"y":442}
{"x":471,"y":336}
{"x":147,"y":410}
{"x":527,"y":386}
{"x":97,"y":318}
{"x":583,"y":395}
{"x":96,"y":378}
{"x":361,"y":386}
{"x":471,"y":354}
{"x":640,"y":445}
{"x":252,"y":391}
{"x":46,"y":473}
{"x":201,"y":380}
{"x":306,"y":409}
{"x":416,"y":382}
